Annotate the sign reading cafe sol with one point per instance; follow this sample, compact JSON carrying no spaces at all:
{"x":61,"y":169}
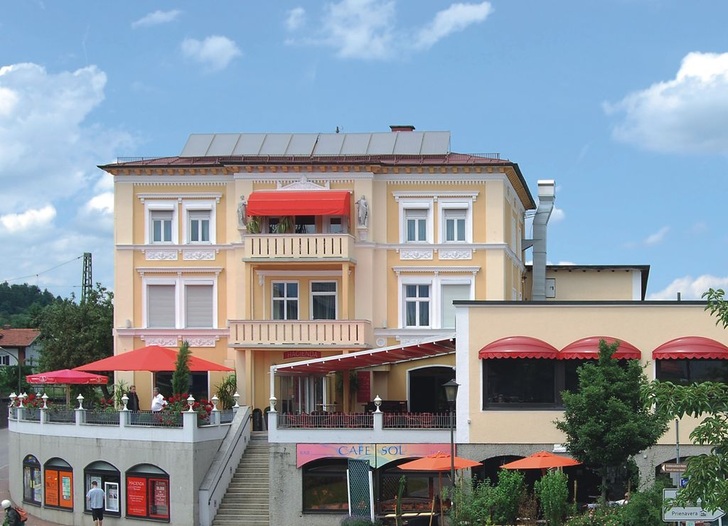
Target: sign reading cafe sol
{"x":376,"y":454}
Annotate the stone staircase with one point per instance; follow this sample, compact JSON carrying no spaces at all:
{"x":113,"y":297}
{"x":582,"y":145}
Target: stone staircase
{"x":246,"y":500}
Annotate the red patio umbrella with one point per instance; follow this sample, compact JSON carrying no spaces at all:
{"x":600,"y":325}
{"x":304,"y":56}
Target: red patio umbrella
{"x":152,"y":358}
{"x":438,"y":462}
{"x":67,"y":376}
{"x":541,"y":460}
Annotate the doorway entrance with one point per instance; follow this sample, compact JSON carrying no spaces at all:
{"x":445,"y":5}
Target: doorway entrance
{"x":426,"y":394}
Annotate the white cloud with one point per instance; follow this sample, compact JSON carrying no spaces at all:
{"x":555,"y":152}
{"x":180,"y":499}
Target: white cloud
{"x":658,"y":237}
{"x":156,"y":18}
{"x":557,"y":215}
{"x":102,"y":203}
{"x":455,"y":18}
{"x":686,"y":114}
{"x":30,"y":219}
{"x":689,"y":288}
{"x":48,"y":158}
{"x":296,"y":18}
{"x":368,"y":29}
{"x":360,"y":28}
{"x":215,"y":52}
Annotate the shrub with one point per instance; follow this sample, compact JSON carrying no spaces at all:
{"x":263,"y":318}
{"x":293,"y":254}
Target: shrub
{"x":553,"y":492}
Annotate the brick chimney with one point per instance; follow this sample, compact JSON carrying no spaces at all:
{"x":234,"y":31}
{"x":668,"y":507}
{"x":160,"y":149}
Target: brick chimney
{"x":401,"y":127}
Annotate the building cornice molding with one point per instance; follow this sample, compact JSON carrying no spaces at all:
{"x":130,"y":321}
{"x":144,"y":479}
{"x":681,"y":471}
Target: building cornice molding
{"x":292,"y":177}
{"x":435,"y":194}
{"x":179,"y":270}
{"x":180,"y":196}
{"x":436,"y":269}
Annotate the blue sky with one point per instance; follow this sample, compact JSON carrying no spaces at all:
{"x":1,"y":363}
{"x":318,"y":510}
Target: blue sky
{"x":624,"y":103}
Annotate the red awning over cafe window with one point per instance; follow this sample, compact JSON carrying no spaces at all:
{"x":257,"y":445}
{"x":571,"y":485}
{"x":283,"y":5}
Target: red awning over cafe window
{"x":588,"y":349}
{"x":691,"y":348}
{"x":518,"y":347}
{"x":299,"y":203}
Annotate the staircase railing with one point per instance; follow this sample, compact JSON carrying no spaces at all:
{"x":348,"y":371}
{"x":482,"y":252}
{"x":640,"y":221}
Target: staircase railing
{"x":223,"y":466}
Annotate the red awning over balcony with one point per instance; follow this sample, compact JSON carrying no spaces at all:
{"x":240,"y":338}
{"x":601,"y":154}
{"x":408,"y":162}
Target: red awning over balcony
{"x":518,"y":347}
{"x":299,"y":203}
{"x":588,"y":349}
{"x":691,"y":348}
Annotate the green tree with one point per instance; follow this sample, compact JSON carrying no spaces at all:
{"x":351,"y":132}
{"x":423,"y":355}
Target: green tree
{"x":707,"y":474}
{"x":606,"y":421}
{"x":181,"y":374}
{"x":21,"y":304}
{"x":73,"y":334}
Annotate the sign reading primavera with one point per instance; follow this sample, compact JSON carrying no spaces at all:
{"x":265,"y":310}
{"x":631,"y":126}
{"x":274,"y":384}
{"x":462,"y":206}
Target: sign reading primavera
{"x":687,"y":513}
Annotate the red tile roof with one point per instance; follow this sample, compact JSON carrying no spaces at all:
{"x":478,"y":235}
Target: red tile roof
{"x":18,"y":337}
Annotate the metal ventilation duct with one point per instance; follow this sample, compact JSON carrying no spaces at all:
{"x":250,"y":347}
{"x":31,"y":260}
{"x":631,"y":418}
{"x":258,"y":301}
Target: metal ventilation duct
{"x":546,"y":197}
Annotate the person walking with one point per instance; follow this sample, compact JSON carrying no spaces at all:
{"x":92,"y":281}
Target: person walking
{"x":12,"y":517}
{"x":95,"y":499}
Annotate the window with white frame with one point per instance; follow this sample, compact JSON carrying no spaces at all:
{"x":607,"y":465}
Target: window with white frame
{"x":4,"y":359}
{"x":161,"y":222}
{"x":161,"y":306}
{"x":161,"y":226}
{"x":450,"y":292}
{"x":323,"y":300}
{"x":427,"y":301}
{"x":285,"y":300}
{"x":198,"y":305}
{"x":415,"y":226}
{"x":180,"y":303}
{"x":199,"y":225}
{"x":199,"y":221}
{"x":456,"y":224}
{"x":417,"y":305}
{"x":416,"y":220}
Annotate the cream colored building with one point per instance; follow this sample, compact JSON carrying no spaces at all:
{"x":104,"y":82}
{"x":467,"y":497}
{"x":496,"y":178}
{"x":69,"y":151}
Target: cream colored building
{"x":329,"y":269}
{"x":347,"y":242}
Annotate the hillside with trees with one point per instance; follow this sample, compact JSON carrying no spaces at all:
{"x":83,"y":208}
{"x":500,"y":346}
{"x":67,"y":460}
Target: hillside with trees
{"x":21,"y":305}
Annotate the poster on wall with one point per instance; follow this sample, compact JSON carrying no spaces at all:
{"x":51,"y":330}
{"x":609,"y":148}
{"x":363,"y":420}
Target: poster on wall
{"x":51,"y":487}
{"x":160,"y":499}
{"x":136,"y":496}
{"x":66,"y":489}
{"x":112,"y":496}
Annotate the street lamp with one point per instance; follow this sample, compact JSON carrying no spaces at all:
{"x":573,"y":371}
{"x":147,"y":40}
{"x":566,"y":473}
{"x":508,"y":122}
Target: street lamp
{"x":17,"y":359}
{"x":451,"y":394}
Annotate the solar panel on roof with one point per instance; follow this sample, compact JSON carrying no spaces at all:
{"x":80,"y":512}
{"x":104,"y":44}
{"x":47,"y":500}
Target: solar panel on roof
{"x":249,"y":144}
{"x":306,"y":144}
{"x":222,"y":144}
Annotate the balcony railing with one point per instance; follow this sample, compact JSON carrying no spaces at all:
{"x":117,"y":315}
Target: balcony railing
{"x":298,"y":246}
{"x":363,"y":420}
{"x":319,"y":333}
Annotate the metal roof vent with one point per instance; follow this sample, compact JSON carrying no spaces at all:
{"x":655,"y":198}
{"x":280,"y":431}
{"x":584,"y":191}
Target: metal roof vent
{"x":401,"y":127}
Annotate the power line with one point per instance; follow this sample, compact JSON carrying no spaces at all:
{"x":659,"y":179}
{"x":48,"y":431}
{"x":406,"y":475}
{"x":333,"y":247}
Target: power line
{"x":42,"y":271}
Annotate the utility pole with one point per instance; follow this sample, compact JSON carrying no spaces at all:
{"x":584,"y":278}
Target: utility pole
{"x":86,"y":281}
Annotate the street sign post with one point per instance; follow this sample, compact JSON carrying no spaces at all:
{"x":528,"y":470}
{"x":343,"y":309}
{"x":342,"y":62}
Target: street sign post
{"x":686,"y":513}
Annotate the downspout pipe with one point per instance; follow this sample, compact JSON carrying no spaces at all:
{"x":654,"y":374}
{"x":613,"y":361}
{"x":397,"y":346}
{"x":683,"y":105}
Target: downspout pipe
{"x":546,"y":198}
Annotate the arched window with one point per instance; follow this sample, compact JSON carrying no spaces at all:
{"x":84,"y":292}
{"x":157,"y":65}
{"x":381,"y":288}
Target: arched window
{"x":32,"y":481}
{"x":58,"y":484}
{"x":107,"y":478}
{"x":324,"y":486}
{"x":147,"y":492}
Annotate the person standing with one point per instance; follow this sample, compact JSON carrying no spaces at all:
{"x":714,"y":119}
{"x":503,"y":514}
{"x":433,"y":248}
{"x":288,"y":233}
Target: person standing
{"x":95,"y":499}
{"x":133,"y":402}
{"x":158,"y":401}
{"x":12,"y":517}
